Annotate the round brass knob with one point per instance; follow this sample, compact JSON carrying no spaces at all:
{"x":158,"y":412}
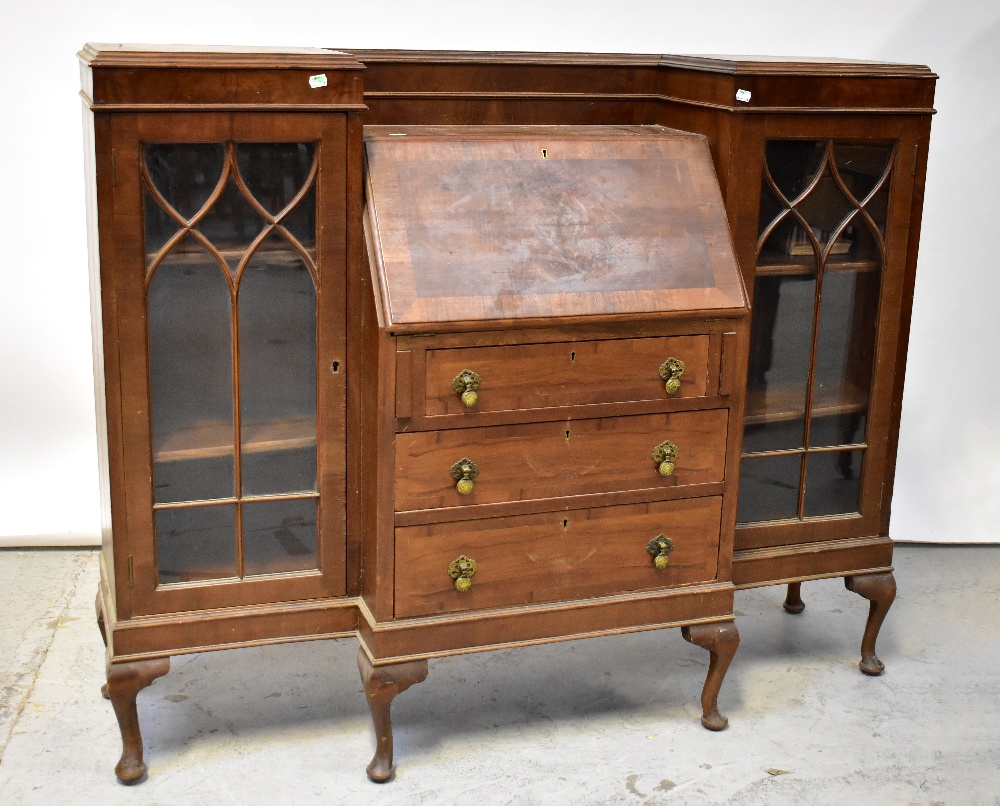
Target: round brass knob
{"x":466,"y":384}
{"x":464,"y":471}
{"x":462,"y":570}
{"x":658,"y":548}
{"x":665,"y":456}
{"x":671,"y":371}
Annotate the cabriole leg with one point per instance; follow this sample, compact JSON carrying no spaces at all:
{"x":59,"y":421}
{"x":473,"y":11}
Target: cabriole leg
{"x":880,"y":590}
{"x":382,"y":684}
{"x":125,"y":681}
{"x":721,"y":640}
{"x":793,"y":599}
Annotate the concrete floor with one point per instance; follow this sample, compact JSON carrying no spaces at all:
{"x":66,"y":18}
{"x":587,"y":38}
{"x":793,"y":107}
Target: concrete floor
{"x":603,"y":721}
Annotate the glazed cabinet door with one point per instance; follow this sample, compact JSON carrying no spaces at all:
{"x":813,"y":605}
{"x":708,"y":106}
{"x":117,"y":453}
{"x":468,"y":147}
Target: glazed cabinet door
{"x":230,"y":289}
{"x":828,"y":258}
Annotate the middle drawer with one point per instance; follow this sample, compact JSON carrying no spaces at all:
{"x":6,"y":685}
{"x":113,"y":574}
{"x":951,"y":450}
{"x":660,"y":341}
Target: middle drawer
{"x":556,"y":459}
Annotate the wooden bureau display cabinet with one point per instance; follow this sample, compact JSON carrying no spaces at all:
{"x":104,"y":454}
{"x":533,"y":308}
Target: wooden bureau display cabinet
{"x":328,"y":407}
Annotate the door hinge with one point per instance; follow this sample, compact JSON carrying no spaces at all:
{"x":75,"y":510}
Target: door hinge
{"x":916,"y":152}
{"x":131,"y":576}
{"x":114,"y":168}
{"x":881,"y":493}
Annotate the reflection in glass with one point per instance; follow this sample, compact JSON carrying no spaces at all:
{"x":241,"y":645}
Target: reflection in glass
{"x":793,"y":164}
{"x":158,"y":223}
{"x":279,"y":536}
{"x":189,"y":316}
{"x":231,"y":224}
{"x":833,"y":482}
{"x":778,"y":372}
{"x":275,"y":172}
{"x":845,"y":353}
{"x":301,"y":222}
{"x":277,"y":337}
{"x":861,"y":165}
{"x":196,"y":543}
{"x":185,"y":174}
{"x":788,"y":250}
{"x":826,"y":208}
{"x":769,"y":488}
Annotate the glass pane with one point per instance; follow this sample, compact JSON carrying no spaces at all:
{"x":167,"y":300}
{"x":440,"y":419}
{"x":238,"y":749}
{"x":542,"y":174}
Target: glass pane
{"x":185,"y":174}
{"x":279,"y":536}
{"x":770,"y":207}
{"x":301,"y":222}
{"x":191,"y":376}
{"x":158,"y":223}
{"x":274,"y":172}
{"x":277,"y":315}
{"x":196,"y":543}
{"x":825,"y":208}
{"x":780,"y":342}
{"x":231,"y":224}
{"x":844,"y":357}
{"x":788,"y":250}
{"x":794,"y":164}
{"x":769,"y":488}
{"x":833,"y":481}
{"x":878,"y":207}
{"x":861,"y":165}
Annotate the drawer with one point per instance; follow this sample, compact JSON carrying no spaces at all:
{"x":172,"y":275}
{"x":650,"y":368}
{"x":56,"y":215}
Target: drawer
{"x":564,"y":458}
{"x":576,"y":373}
{"x":556,"y":556}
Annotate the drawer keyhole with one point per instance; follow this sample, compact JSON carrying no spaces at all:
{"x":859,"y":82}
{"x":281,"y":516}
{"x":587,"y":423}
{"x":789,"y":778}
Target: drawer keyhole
{"x":567,"y":435}
{"x":565,"y":523}
{"x":572,"y":357}
{"x":335,"y":366}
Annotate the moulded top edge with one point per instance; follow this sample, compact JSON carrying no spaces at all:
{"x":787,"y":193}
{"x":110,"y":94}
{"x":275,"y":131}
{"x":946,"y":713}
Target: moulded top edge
{"x":505,"y":132}
{"x":232,"y":57}
{"x":796,"y":66}
{"x":734,"y":64}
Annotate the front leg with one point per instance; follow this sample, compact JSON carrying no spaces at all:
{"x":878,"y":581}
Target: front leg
{"x":880,"y":590}
{"x":721,"y":640}
{"x":382,"y":684}
{"x":125,"y":681}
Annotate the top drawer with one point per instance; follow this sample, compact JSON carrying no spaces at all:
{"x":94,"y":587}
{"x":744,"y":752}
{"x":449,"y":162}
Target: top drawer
{"x":574,"y":373}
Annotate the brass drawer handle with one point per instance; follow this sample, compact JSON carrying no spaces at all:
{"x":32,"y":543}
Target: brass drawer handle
{"x":665,"y":455}
{"x":671,"y":371}
{"x":461,"y":570}
{"x":464,"y":471}
{"x":659,"y":547}
{"x":466,"y":384}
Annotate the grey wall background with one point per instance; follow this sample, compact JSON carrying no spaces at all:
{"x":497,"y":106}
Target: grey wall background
{"x":948,"y":474}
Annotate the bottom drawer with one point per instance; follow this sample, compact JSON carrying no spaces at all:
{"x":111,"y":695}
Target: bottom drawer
{"x":555,"y":556}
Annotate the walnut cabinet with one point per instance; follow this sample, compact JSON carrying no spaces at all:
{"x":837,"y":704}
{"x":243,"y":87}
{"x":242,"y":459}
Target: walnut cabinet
{"x":272,"y":434}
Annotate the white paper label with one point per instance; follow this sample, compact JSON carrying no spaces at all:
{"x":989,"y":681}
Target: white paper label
{"x":743,"y":95}
{"x":320,"y":81}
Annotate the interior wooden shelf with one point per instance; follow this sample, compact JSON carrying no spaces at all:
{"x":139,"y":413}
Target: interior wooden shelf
{"x":774,"y":263}
{"x":187,"y":256}
{"x":212,"y":439}
{"x":784,"y":403}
